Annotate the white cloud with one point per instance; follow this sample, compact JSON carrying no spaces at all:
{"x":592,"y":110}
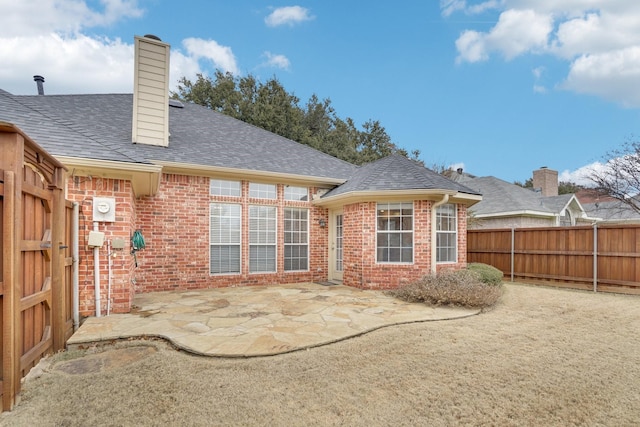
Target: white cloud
{"x":516,"y":32}
{"x":222,"y":57}
{"x":76,"y":64}
{"x":449,"y":7}
{"x":580,"y":175}
{"x":600,"y":41}
{"x":483,"y":7}
{"x":81,"y":64}
{"x":612,"y":75}
{"x":41,"y":17}
{"x":277,"y":61}
{"x":538,"y":74}
{"x":472,"y":47}
{"x":46,"y":37}
{"x":289,"y":15}
{"x":182,"y":66}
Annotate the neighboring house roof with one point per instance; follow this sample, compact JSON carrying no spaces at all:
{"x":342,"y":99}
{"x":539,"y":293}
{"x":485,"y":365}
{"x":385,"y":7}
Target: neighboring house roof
{"x":98,"y":126}
{"x":501,"y":198}
{"x":612,"y":211}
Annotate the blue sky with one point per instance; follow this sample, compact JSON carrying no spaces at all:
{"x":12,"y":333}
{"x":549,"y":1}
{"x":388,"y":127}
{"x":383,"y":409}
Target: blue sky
{"x":498,"y":87}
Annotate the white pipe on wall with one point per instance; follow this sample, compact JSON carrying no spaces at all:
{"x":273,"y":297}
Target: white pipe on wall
{"x":434,"y":240}
{"x":96,"y":272}
{"x":109,"y":254}
{"x":75,"y":255}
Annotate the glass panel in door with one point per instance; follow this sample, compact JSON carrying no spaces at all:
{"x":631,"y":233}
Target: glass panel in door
{"x":336,"y":246}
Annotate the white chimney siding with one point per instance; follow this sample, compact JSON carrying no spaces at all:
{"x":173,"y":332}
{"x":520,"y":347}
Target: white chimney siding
{"x":151,"y":92}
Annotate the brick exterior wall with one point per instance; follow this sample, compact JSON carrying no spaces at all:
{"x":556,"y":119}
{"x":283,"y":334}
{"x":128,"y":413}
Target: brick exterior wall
{"x":359,"y":247}
{"x":82,"y":190}
{"x":175,"y":224}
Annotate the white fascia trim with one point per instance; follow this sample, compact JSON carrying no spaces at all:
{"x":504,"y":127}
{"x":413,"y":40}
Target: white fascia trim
{"x":413,"y":194}
{"x":517,"y":213}
{"x":108,"y":164}
{"x":204,"y":170}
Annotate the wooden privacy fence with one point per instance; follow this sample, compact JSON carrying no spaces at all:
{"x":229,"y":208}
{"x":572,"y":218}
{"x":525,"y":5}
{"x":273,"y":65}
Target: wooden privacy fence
{"x":599,"y":257}
{"x":36,"y":310}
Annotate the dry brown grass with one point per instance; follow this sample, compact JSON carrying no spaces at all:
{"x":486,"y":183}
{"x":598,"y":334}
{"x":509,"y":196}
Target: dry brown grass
{"x":542,"y":357}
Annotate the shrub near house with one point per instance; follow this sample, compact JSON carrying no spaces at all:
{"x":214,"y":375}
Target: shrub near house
{"x":478,"y":286}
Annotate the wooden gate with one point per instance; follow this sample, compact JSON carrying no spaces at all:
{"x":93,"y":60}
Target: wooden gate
{"x":35,"y":288}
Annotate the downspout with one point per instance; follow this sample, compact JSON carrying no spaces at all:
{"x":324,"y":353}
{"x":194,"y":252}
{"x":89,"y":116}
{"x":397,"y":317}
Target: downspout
{"x":96,"y":272}
{"x":75,"y":256}
{"x":109,"y":254}
{"x":434,"y":240}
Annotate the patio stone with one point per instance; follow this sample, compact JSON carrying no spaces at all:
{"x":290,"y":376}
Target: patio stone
{"x":257,"y":320}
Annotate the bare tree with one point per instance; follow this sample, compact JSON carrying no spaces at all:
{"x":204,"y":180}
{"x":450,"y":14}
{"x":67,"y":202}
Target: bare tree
{"x":619,"y":176}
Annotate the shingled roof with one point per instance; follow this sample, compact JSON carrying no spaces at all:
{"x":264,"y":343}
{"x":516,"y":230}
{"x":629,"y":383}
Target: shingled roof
{"x":98,"y":126}
{"x":397,"y":172}
{"x":501,"y":197}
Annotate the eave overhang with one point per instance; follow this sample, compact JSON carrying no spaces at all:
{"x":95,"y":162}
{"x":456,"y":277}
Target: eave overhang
{"x":396,"y":195}
{"x":145,"y":178}
{"x":246,"y":174}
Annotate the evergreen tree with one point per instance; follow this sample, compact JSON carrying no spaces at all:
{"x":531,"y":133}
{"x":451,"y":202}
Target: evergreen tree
{"x":269,"y":106}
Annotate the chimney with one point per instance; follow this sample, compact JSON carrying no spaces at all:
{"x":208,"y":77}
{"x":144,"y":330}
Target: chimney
{"x":546,"y":180}
{"x":151,"y":92}
{"x":40,"y":82}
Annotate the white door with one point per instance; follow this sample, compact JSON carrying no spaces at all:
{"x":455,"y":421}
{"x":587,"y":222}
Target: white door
{"x":335,"y":246}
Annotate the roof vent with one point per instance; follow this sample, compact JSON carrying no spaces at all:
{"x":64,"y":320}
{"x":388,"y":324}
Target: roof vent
{"x":152,"y":37}
{"x":175,"y":103}
{"x":40,"y":82}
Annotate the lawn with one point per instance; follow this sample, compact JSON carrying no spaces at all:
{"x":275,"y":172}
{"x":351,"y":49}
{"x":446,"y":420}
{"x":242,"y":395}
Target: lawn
{"x":542,"y":356}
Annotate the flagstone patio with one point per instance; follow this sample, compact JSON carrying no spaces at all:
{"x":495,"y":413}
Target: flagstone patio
{"x":258,"y":320}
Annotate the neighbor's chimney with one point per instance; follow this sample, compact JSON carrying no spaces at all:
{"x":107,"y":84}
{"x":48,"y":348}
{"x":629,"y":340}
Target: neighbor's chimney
{"x":151,"y":92}
{"x":546,"y":180}
{"x":40,"y":82}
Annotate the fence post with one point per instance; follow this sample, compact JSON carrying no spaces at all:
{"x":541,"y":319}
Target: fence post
{"x":595,"y":257}
{"x":58,"y":282}
{"x":11,"y":296}
{"x":513,"y":244}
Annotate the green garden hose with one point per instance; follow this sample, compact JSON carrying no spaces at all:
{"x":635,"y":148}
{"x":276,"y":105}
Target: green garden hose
{"x":137,"y":243}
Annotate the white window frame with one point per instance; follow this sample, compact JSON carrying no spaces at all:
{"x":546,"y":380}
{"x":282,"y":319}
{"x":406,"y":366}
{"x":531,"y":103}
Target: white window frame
{"x":447,"y":229}
{"x":296,"y":194}
{"x":227,"y":234}
{"x":263,"y":231}
{"x":387,"y":234}
{"x":263,"y":191}
{"x":296,"y":235}
{"x":221,"y":187}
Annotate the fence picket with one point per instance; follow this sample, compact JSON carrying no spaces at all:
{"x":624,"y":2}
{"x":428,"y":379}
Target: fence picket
{"x":600,"y":257}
